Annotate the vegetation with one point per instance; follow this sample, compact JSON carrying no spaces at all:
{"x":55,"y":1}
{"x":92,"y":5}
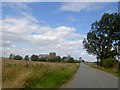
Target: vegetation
{"x":18,"y":57}
{"x":52,"y":59}
{"x":114,"y":70}
{"x":58,"y":59}
{"x":71,"y":60}
{"x":26,"y":58}
{"x":34,"y":58}
{"x":104,"y":37}
{"x":109,"y":63}
{"x":33,"y":74}
{"x":11,"y":56}
{"x":83,"y":60}
{"x":64,"y":58}
{"x":43,"y":59}
{"x":103,"y":41}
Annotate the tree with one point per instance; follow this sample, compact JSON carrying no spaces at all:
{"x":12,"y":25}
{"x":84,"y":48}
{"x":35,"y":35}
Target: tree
{"x":64,"y":58}
{"x":26,"y":58}
{"x":103,"y":36}
{"x":18,"y":57}
{"x":52,"y":59}
{"x":71,"y":60}
{"x":83,"y":60}
{"x":34,"y":58}
{"x":43,"y":59}
{"x":58,"y":58}
{"x":11,"y":56}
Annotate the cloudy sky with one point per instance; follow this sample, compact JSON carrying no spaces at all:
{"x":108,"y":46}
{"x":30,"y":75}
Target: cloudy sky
{"x":43,"y":27}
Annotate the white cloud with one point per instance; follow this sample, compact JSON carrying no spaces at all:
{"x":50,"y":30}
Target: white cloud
{"x":79,"y":6}
{"x":23,"y":29}
{"x":47,"y":39}
{"x":25,"y":35}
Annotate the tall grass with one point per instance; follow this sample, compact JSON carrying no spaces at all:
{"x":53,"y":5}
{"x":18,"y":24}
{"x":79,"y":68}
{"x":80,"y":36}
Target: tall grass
{"x":25,"y":74}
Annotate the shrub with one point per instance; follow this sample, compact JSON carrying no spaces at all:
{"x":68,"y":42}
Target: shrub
{"x":71,"y":60}
{"x":109,"y":62}
{"x":52,"y":59}
{"x":43,"y":59}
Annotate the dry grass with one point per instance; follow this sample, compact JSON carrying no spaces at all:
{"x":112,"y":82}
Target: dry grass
{"x":20,"y":74}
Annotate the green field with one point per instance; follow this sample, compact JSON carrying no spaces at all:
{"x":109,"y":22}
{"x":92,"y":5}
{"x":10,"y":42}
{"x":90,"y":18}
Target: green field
{"x":31,"y":74}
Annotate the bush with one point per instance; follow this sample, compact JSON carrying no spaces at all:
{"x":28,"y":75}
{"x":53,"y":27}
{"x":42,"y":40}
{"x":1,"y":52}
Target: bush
{"x":109,"y":62}
{"x":43,"y":59}
{"x":52,"y":59}
{"x":77,"y":61}
{"x":71,"y":60}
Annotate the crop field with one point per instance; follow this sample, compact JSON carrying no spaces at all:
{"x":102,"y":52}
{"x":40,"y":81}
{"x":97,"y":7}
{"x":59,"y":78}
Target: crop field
{"x":32,"y":74}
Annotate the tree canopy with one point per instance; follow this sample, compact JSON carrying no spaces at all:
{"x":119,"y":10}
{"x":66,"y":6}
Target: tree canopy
{"x":18,"y":57}
{"x":104,"y":36}
{"x":26,"y":57}
{"x":11,"y":56}
{"x":34,"y":58}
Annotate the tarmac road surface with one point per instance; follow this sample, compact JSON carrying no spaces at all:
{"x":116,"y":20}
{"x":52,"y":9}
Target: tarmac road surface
{"x":88,"y":77}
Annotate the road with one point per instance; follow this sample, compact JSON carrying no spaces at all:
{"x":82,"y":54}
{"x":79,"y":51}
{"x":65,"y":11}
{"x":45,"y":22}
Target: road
{"x":88,"y":77}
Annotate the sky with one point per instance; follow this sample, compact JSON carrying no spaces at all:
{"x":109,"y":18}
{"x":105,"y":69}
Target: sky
{"x":42,"y":27}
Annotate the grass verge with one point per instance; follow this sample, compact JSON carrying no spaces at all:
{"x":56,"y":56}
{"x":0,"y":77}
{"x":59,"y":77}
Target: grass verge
{"x":54,"y":79}
{"x":113,"y":71}
{"x":24,"y":74}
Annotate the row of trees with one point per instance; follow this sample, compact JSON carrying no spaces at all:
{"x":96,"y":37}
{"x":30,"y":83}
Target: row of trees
{"x":16,"y":57}
{"x":45,"y":59}
{"x":103,"y":40}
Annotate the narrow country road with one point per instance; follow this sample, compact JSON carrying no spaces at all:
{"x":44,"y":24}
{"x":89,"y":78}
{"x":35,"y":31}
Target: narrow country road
{"x":88,"y":77}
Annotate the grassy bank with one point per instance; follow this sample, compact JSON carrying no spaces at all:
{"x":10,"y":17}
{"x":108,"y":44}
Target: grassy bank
{"x":113,"y":70}
{"x":20,"y":74}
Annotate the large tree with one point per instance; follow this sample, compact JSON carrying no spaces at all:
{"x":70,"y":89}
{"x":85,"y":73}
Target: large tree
{"x":104,"y":36}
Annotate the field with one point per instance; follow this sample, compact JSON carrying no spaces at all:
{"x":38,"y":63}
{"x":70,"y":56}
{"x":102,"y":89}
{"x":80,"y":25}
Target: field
{"x":31,"y":74}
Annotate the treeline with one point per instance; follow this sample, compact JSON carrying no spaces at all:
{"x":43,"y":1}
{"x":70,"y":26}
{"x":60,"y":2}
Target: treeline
{"x":34,"y":57}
